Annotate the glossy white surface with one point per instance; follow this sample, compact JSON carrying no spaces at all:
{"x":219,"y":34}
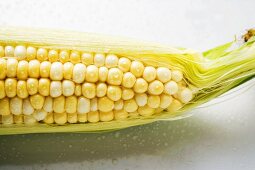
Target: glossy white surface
{"x":217,"y":137}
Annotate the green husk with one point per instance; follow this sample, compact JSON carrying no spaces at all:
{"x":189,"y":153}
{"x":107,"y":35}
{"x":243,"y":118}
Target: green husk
{"x":208,"y":74}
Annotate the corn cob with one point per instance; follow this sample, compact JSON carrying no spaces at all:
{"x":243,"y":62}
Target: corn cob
{"x":78,"y":80}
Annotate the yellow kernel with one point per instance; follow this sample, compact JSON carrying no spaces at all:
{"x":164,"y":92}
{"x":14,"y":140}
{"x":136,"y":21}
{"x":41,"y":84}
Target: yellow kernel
{"x":9,"y":51}
{"x":174,"y":106}
{"x":124,"y":64}
{"x":49,"y":119}
{"x":77,"y":90}
{"x":42,"y":54}
{"x":55,"y":88}
{"x":60,"y":118}
{"x":133,"y":114}
{"x":106,"y":116}
{"x":29,"y":119}
{"x":10,"y":87}
{"x":72,"y":118}
{"x":37,"y":101}
{"x":114,"y":93}
{"x":111,"y":60}
{"x":82,"y":118}
{"x":163,"y":74}
{"x":71,"y":104}
{"x":93,"y":105}
{"x":11,"y":68}
{"x":92,"y":74}
{"x":137,"y":68}
{"x":118,"y":105}
{"x":18,"y":119}
{"x":101,"y":89}
{"x":75,"y":57}
{"x":153,"y":101}
{"x":99,"y":60}
{"x":20,"y":52}
{"x":79,"y":73}
{"x":31,"y":53}
{"x":5,"y":106}
{"x":7,"y":119}
{"x":34,"y":68}
{"x":22,"y":89}
{"x":45,"y":67}
{"x":93,"y":117}
{"x":89,"y":90}
{"x":127,"y":94}
{"x":1,"y":51}
{"x":68,"y":87}
{"x":22,"y":70}
{"x":165,"y":101}
{"x":44,"y":87}
{"x":59,"y":104}
{"x":146,"y":110}
{"x":149,"y":73}
{"x":140,"y":86}
{"x":64,"y":56}
{"x":114,"y":76}
{"x":156,"y":87}
{"x":87,"y":58}
{"x":120,"y":114}
{"x":32,"y":86}
{"x":53,"y":56}
{"x":130,"y":105}
{"x":105,"y":104}
{"x":2,"y":89}
{"x":102,"y":73}
{"x":3,"y":68}
{"x":128,"y":80}
{"x":68,"y":70}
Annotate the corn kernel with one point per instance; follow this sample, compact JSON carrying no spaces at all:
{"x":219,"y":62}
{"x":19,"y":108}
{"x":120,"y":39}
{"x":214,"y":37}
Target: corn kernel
{"x":11,"y":69}
{"x":32,"y":86}
{"x":42,"y":54}
{"x":22,"y":70}
{"x":34,"y":68}
{"x":10,"y":87}
{"x":22,"y":89}
{"x":92,"y":74}
{"x":45,"y":67}
{"x":89,"y":90}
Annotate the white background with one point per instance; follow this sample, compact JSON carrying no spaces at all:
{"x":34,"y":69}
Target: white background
{"x":220,"y":136}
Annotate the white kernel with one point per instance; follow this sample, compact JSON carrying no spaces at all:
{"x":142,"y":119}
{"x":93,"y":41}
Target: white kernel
{"x":177,"y":75}
{"x":83,"y":105}
{"x":141,"y":99}
{"x":171,"y":88}
{"x":163,"y":74}
{"x":79,"y":73}
{"x":56,"y":71}
{"x":68,"y":87}
{"x":55,"y":88}
{"x":111,"y":60}
{"x":20,"y":52}
{"x":99,"y":60}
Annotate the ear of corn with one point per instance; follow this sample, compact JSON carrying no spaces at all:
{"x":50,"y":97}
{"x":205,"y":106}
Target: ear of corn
{"x":88,"y":82}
